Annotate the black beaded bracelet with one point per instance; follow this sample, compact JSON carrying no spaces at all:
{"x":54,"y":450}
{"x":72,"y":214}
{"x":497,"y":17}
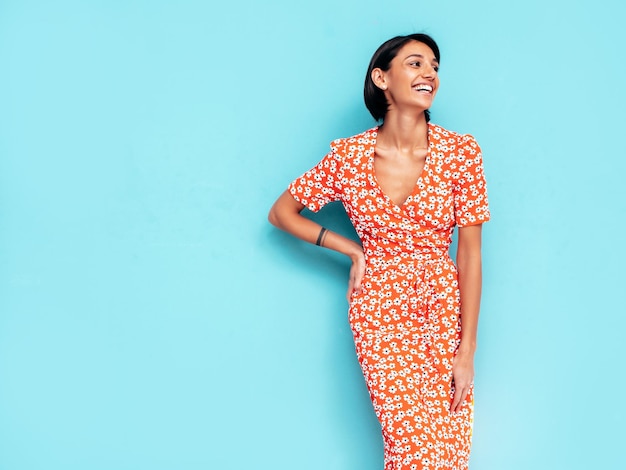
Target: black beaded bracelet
{"x":320,"y":237}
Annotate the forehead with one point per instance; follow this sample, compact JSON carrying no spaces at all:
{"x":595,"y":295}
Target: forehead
{"x":416,"y":48}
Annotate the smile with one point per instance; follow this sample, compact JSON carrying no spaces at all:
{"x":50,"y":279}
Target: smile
{"x":423,"y":87}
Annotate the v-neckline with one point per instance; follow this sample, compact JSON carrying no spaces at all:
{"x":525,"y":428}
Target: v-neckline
{"x":374,"y":181}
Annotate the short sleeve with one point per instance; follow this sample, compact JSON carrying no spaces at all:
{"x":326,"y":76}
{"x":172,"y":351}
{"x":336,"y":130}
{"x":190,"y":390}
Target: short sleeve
{"x":321,"y":184}
{"x":471,"y":206}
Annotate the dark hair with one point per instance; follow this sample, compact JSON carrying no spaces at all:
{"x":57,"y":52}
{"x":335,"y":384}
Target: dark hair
{"x":374,"y":97}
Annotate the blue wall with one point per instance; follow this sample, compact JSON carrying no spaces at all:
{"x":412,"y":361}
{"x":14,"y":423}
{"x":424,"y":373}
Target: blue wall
{"x":150,"y":318}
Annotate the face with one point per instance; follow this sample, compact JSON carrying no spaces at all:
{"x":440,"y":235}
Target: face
{"x":412,"y":79}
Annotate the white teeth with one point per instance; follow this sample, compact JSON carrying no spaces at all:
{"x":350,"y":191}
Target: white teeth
{"x":424,"y":87}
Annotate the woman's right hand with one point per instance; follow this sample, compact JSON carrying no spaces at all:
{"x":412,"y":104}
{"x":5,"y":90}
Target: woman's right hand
{"x":285,"y":214}
{"x":357,"y":271}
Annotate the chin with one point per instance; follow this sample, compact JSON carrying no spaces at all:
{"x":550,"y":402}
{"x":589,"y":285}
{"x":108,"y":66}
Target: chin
{"x":425,"y":104}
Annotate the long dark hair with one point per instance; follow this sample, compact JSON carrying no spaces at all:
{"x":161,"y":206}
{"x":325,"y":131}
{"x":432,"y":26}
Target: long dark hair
{"x":374,"y":97}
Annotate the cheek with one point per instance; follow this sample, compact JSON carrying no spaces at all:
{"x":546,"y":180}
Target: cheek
{"x":436,"y":87}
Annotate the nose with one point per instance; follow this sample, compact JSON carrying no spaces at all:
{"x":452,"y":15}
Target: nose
{"x":430,"y":72}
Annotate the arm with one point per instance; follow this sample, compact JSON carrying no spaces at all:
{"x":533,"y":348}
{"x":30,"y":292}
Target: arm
{"x":470,"y":282}
{"x":286,"y":215}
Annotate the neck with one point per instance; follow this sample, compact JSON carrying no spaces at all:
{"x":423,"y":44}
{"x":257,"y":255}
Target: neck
{"x":405,"y":132}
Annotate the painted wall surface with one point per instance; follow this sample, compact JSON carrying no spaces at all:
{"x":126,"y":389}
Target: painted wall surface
{"x":151,"y":318}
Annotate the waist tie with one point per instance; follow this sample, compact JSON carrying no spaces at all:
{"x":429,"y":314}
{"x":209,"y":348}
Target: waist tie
{"x":439,"y":329}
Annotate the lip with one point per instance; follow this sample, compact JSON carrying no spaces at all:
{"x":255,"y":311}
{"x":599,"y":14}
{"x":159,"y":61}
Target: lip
{"x":424,"y":84}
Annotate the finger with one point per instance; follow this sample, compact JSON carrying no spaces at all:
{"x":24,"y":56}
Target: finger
{"x":458,"y":394}
{"x":455,"y":401}
{"x":459,"y":398}
{"x":358,"y":278}
{"x":350,"y":289}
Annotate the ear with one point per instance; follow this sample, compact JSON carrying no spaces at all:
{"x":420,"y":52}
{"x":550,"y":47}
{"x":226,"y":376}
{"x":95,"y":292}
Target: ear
{"x":379,"y":78}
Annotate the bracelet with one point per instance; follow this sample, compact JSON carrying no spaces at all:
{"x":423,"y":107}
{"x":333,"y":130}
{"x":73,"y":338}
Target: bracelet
{"x":321,"y":236}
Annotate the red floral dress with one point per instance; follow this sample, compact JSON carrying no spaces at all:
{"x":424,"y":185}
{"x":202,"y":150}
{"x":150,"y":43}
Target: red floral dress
{"x":406,"y":319}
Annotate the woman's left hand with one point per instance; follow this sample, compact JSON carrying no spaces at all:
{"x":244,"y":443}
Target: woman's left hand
{"x":463,"y":376}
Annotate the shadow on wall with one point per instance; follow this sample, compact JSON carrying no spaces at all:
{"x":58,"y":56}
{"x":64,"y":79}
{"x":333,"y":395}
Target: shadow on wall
{"x":327,"y":262}
{"x":356,"y":435}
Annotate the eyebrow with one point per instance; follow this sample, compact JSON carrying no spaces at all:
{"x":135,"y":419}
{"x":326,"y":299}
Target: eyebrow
{"x":420,"y":56}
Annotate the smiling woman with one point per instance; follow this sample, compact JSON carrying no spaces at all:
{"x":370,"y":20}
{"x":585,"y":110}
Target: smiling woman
{"x":405,"y":186}
{"x":375,"y":98}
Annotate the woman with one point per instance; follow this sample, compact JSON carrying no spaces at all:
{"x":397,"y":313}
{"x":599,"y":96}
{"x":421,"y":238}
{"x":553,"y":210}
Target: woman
{"x":413,"y":313}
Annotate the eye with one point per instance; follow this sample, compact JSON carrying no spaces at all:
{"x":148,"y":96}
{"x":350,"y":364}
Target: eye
{"x":436,"y":68}
{"x":417,"y":63}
